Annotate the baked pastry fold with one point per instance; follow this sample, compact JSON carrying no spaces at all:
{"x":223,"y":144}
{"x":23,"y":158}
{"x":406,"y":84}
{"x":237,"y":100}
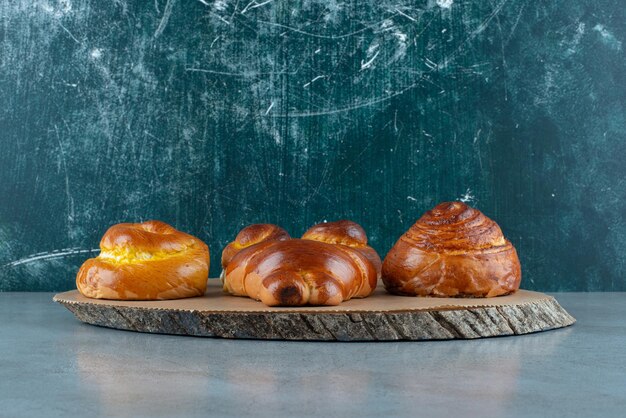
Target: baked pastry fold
{"x":453,"y":250}
{"x":331,"y":263}
{"x":145,"y":261}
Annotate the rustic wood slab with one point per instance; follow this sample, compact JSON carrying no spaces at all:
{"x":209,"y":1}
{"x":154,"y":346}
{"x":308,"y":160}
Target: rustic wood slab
{"x":380,"y":317}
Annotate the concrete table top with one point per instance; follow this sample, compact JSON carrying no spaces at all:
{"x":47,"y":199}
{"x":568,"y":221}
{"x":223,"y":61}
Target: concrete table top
{"x":52,"y":365}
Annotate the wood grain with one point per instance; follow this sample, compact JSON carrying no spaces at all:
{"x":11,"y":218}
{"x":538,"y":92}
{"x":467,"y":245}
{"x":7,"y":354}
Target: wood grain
{"x":408,"y":318}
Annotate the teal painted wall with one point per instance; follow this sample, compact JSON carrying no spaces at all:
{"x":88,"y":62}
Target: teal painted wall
{"x":211,"y":115}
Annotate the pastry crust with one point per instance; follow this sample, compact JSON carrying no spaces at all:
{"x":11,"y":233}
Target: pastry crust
{"x":329,"y":264}
{"x":145,"y":261}
{"x":452,"y":251}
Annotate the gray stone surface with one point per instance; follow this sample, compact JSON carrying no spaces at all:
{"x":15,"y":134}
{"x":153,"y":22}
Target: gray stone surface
{"x":53,"y":365}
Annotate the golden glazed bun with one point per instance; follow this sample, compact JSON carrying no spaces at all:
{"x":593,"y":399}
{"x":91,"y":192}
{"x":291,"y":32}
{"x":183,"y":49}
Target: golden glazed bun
{"x":145,"y":261}
{"x":331,"y":263}
{"x":452,"y":251}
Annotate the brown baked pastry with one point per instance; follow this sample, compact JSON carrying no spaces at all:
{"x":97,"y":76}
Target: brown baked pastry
{"x":452,"y":251}
{"x":145,"y":261}
{"x":331,"y":263}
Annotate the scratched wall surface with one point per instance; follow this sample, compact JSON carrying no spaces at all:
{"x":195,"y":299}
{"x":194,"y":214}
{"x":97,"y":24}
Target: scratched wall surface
{"x":211,"y":115}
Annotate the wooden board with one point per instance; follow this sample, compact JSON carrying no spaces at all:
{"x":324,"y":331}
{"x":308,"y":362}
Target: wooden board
{"x":381,"y":317}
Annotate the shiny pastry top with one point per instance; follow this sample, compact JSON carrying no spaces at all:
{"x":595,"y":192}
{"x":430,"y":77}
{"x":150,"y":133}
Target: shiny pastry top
{"x":452,"y":250}
{"x":329,"y":264}
{"x":145,"y":261}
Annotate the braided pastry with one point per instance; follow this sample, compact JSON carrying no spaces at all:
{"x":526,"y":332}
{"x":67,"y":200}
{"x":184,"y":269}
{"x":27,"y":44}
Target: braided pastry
{"x":331,"y":263}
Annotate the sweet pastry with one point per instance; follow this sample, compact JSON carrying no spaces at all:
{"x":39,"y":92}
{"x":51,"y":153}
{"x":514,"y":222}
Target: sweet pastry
{"x":453,"y":250}
{"x":145,"y":261}
{"x":331,"y":263}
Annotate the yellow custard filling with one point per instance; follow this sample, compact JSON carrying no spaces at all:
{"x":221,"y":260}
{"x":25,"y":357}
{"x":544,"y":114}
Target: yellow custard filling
{"x":126,"y":255}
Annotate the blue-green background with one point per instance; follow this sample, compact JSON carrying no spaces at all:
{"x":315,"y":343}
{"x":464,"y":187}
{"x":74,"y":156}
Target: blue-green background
{"x":211,"y":115}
